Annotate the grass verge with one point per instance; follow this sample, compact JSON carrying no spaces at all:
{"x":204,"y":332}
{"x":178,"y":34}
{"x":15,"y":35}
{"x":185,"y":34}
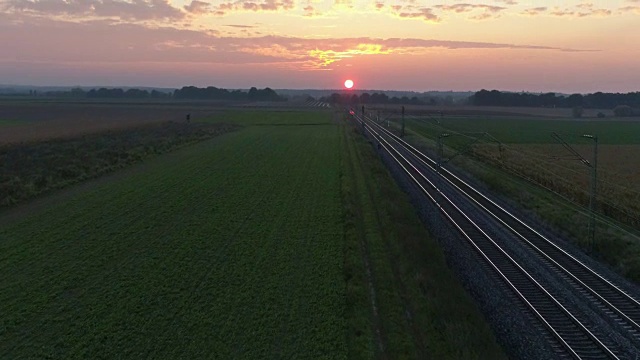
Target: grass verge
{"x":402,"y":300}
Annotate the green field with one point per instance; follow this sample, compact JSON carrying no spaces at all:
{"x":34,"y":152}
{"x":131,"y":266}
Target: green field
{"x":4,"y":122}
{"x":199,"y":252}
{"x":246,"y":245}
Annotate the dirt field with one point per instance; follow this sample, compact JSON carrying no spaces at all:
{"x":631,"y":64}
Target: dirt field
{"x":24,"y":122}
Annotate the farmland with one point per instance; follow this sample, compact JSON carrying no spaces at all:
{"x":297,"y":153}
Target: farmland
{"x":44,"y":120}
{"x":520,"y":158}
{"x":245,"y":245}
{"x":194,"y":252}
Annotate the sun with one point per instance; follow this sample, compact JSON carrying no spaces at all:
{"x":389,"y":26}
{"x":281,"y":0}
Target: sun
{"x":348,"y":84}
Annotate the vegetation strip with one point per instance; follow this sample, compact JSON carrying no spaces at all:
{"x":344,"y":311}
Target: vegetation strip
{"x":422,"y":312}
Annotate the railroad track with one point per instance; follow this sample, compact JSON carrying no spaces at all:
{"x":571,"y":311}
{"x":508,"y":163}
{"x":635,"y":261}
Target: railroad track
{"x":618,"y":304}
{"x":572,"y":337}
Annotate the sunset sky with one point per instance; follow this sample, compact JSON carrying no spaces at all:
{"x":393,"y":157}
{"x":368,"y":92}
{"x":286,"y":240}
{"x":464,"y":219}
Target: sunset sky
{"x":563,"y":46}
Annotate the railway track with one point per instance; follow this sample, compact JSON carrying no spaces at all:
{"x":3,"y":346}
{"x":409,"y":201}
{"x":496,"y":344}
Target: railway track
{"x":620,"y":305}
{"x":572,"y":337}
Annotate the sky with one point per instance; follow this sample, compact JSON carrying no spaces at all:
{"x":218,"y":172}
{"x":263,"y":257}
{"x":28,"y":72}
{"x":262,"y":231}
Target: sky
{"x":419,"y":45}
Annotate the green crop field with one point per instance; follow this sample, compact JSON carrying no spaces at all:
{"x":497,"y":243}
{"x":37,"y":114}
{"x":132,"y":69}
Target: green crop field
{"x":230,"y":247}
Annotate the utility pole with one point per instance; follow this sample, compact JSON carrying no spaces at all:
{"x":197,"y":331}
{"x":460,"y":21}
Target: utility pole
{"x":594,"y":188}
{"x":402,"y":132}
{"x":594,"y":181}
{"x":439,"y":164}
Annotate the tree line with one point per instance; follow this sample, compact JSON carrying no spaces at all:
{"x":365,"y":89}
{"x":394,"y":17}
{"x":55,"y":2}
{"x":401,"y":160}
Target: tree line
{"x":186,"y":92}
{"x":375,"y":98}
{"x":598,"y":100}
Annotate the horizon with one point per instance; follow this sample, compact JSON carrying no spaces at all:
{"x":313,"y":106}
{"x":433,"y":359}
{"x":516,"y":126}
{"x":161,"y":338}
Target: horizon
{"x":507,"y":45}
{"x":336,"y":90}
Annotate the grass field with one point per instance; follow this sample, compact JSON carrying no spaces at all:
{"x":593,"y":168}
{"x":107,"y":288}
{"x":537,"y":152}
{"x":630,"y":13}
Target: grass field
{"x":241,"y":246}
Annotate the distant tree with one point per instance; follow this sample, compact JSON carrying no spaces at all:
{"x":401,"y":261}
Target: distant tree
{"x":136,"y":94}
{"x":155,"y":94}
{"x":335,"y":98}
{"x":623,"y":110}
{"x":77,"y":92}
{"x":601,"y":115}
{"x":575,"y":100}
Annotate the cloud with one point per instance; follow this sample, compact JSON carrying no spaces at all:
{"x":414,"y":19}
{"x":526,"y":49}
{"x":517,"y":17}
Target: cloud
{"x":486,"y":11}
{"x":630,"y":9}
{"x":103,"y":42}
{"x":311,"y":11}
{"x":461,"y":8}
{"x":535,"y":11}
{"x":126,"y":10}
{"x":252,"y":6}
{"x":426,"y":14}
{"x":198,"y":7}
{"x":241,"y":26}
{"x":581,"y":14}
{"x":581,"y":10}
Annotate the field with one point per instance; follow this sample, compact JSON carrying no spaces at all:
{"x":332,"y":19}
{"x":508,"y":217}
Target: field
{"x":240,"y":246}
{"x":520,"y":158}
{"x":491,"y":111}
{"x":31,"y":169}
{"x":43,"y":120}
{"x":195,"y":252}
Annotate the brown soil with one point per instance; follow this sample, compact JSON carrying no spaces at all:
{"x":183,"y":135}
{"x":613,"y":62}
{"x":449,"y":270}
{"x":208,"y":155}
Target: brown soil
{"x":43,"y":121}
